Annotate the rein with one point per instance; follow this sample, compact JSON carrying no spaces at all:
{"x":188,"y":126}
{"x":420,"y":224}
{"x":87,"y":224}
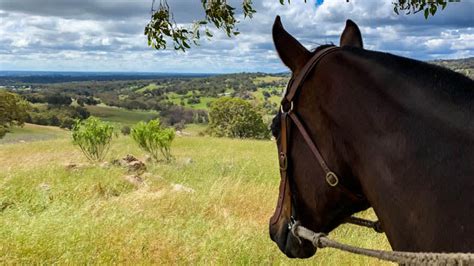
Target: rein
{"x":320,"y":240}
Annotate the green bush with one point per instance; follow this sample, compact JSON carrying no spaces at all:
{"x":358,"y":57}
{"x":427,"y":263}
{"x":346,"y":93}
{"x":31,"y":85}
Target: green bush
{"x":125,"y":130}
{"x":153,"y":138}
{"x":93,"y":137}
{"x":57,"y":115}
{"x":236,"y":118}
{"x":67,"y":123}
{"x":13,"y":111}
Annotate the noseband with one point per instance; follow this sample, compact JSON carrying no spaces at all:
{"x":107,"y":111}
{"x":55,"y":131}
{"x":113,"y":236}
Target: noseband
{"x":289,"y":116}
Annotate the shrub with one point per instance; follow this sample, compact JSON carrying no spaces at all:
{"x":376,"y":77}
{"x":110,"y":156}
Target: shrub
{"x":179,"y":126}
{"x":153,"y":138}
{"x":177,"y":114}
{"x":13,"y":111}
{"x":236,"y":118}
{"x":58,"y":99}
{"x":67,"y":123}
{"x":93,"y":137}
{"x":56,"y":115}
{"x":125,"y":130}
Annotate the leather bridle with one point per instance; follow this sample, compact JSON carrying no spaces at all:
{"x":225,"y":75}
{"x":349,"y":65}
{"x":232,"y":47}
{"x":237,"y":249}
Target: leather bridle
{"x":288,"y":117}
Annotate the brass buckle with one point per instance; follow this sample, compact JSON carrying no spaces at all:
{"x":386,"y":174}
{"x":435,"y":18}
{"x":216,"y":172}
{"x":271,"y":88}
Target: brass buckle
{"x":332,"y":179}
{"x":283,"y":111}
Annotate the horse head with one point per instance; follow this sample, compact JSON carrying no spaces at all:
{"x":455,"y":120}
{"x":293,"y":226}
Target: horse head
{"x":306,"y":194}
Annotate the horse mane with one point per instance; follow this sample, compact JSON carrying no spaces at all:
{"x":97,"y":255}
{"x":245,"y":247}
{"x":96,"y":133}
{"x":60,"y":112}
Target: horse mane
{"x":451,"y":85}
{"x":319,"y":48}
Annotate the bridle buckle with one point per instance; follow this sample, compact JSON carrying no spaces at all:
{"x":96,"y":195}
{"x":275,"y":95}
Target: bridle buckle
{"x":332,"y":179}
{"x":283,"y":111}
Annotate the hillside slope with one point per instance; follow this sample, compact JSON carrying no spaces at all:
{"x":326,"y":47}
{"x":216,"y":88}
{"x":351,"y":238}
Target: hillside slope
{"x":211,"y":206}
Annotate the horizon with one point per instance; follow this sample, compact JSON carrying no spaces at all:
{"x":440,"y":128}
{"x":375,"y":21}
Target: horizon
{"x":175,"y":73}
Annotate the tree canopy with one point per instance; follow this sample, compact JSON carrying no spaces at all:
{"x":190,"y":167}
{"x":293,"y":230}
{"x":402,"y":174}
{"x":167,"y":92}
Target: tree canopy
{"x":221,"y":15}
{"x":13,"y":111}
{"x":236,"y":118}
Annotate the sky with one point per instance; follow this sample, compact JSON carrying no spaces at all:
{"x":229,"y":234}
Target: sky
{"x":107,"y":35}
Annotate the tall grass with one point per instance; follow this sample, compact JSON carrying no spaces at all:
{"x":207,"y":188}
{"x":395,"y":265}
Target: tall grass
{"x":93,"y":215}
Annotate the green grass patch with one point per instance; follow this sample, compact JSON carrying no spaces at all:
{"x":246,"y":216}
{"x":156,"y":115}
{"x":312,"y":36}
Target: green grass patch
{"x":149,"y":87}
{"x":31,"y":132}
{"x":177,"y":99}
{"x":260,"y":80}
{"x":258,"y":94}
{"x":203,"y":105}
{"x":92,"y":215}
{"x":120,"y":115}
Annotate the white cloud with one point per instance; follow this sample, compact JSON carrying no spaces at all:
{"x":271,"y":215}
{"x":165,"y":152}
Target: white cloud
{"x":108,"y":36}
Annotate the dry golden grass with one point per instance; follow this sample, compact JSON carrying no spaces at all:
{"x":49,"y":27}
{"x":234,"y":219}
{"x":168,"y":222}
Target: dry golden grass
{"x":93,"y":215}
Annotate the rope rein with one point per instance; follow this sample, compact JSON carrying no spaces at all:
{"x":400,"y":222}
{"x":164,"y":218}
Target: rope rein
{"x":320,"y":240}
{"x":366,"y":223}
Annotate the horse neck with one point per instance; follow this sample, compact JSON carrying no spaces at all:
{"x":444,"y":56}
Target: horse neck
{"x":413,"y":154}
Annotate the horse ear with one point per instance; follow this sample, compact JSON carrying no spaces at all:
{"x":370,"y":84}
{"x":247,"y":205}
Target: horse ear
{"x":292,"y":53}
{"x":351,"y":35}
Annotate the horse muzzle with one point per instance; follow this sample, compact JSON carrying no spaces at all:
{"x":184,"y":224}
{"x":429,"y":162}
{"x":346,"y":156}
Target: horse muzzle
{"x":289,"y":244}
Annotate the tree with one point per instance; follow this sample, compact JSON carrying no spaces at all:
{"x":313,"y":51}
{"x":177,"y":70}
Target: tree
{"x":236,"y":118}
{"x":153,"y":138}
{"x":93,"y":137}
{"x":13,"y":111}
{"x":58,"y":99}
{"x":220,"y":15}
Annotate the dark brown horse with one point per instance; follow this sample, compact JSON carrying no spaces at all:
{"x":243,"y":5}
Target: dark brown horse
{"x":399,"y":134}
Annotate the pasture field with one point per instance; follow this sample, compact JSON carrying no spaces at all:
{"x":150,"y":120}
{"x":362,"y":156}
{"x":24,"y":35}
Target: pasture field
{"x":258,"y":94}
{"x":92,"y":215}
{"x":32,"y":132}
{"x":120,"y":115}
{"x":202,"y":105}
{"x":269,"y":78}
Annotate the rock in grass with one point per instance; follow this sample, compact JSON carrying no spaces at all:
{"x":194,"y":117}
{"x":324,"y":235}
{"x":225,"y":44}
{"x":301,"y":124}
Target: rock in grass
{"x":105,"y":165}
{"x":129,"y":158}
{"x":44,"y":186}
{"x":181,"y":188}
{"x":74,"y":166}
{"x":188,"y":161}
{"x":136,"y":167}
{"x":132,"y":164}
{"x":150,"y":175}
{"x":134,"y":179}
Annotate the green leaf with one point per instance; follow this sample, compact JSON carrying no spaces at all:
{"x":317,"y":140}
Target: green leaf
{"x":427,"y":13}
{"x":395,"y":9}
{"x":433,"y":9}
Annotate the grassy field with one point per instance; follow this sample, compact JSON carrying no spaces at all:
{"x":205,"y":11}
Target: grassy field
{"x":258,"y":94}
{"x":202,"y":105}
{"x":269,"y":78}
{"x":120,"y":115}
{"x":31,"y":132}
{"x":149,"y":87}
{"x":49,"y":214}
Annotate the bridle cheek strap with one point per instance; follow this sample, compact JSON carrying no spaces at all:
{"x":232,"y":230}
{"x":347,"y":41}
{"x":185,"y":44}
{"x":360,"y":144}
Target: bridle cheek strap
{"x":293,"y":86}
{"x":331,"y":177}
{"x":283,"y":162}
{"x":286,"y":116}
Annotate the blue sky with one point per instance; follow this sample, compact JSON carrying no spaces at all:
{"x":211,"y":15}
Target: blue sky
{"x":107,"y":35}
